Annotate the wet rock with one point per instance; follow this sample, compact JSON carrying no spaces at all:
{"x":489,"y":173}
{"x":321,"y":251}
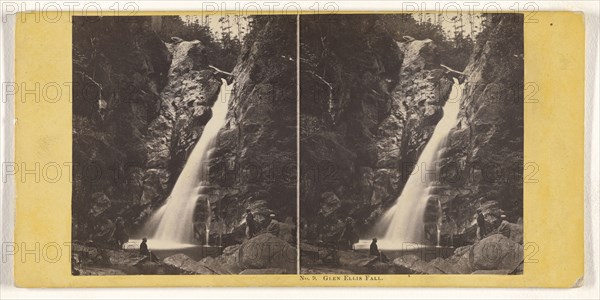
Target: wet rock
{"x":416,"y":265}
{"x":444,"y":265}
{"x":497,"y":252}
{"x":386,"y":268}
{"x":102,"y":258}
{"x":226,"y":263}
{"x":149,"y":267}
{"x":267,"y":251}
{"x":254,"y":161}
{"x":356,"y":260}
{"x":183,"y":264}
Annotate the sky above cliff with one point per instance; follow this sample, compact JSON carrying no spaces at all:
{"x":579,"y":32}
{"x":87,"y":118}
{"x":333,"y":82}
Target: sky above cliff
{"x":450,"y":21}
{"x":237,"y":24}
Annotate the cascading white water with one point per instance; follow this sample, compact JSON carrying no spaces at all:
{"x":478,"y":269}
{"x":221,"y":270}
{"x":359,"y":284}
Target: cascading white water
{"x":173,"y":222}
{"x":438,"y":224}
{"x":403,"y":223}
{"x":207,"y":224}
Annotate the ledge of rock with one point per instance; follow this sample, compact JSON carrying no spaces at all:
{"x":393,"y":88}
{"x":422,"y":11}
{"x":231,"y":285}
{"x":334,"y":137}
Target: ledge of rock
{"x":183,"y":264}
{"x":267,"y":251}
{"x":496,"y":254}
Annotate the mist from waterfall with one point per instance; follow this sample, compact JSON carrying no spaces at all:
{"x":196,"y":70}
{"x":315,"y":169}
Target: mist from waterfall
{"x":403,"y":222}
{"x":173,"y":222}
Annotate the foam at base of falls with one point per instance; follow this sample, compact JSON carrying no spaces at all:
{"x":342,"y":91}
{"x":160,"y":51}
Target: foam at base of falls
{"x":154,"y":244}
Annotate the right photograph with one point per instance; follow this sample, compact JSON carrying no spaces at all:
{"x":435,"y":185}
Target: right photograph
{"x":411,"y":143}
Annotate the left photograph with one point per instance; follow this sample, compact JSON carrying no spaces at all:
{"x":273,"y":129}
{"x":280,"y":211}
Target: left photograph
{"x":184,"y":145}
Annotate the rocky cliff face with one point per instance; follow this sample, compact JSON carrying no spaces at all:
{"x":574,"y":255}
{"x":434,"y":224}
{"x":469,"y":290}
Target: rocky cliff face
{"x":368,"y":106}
{"x":482,"y":163}
{"x":139,"y":107}
{"x":254,"y":163}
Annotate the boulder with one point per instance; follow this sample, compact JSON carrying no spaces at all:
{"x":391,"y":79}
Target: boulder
{"x":267,"y":251}
{"x":356,"y":260}
{"x":226,"y":263}
{"x":97,"y":256}
{"x":415,"y":265}
{"x":444,"y":265}
{"x":497,"y":252}
{"x":183,"y":264}
{"x":147,"y":266}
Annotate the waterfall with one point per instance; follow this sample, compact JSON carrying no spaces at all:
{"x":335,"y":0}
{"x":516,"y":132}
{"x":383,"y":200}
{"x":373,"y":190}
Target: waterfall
{"x":207,"y":223}
{"x":440,"y":219}
{"x":173,"y":222}
{"x":403,"y":222}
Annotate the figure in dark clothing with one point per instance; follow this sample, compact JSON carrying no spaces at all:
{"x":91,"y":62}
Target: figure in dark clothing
{"x":374,"y":250}
{"x":144,"y":248}
{"x":146,"y":252}
{"x":481,"y":223}
{"x":250,"y":225}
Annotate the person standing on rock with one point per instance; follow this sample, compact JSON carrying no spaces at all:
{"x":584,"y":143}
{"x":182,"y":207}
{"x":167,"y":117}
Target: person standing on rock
{"x":481,"y":230}
{"x":273,"y":227}
{"x":250,"y":226}
{"x":504,"y":228}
